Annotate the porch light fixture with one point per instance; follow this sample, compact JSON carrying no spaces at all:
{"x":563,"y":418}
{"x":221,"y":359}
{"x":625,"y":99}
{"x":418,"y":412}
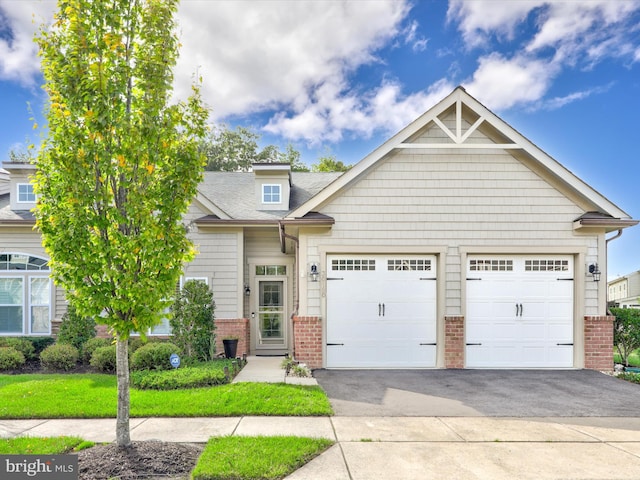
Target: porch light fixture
{"x":247,"y":291}
{"x":314,"y":272}
{"x":595,"y":272}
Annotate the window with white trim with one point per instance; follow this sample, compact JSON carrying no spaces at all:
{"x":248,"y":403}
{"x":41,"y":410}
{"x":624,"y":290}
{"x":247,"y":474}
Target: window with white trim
{"x":26,"y":193}
{"x":490,"y":265}
{"x":25,"y":295}
{"x":355,"y":264}
{"x":271,"y":193}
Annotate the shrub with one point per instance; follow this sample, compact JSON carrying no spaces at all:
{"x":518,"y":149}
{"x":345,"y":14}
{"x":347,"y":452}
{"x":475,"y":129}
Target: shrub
{"x":75,"y":329}
{"x":10,"y":358}
{"x":22,"y":345}
{"x":92,"y":345}
{"x":189,"y":377}
{"x":103,"y":359}
{"x":629,"y":377}
{"x":136,"y":342}
{"x":59,"y":356}
{"x":153,"y":356}
{"x":40,"y":343}
{"x":626,"y":331}
{"x":192,"y":323}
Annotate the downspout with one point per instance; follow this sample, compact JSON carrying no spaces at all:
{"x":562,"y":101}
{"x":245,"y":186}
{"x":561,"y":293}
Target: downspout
{"x":607,"y":254}
{"x":283,"y":247}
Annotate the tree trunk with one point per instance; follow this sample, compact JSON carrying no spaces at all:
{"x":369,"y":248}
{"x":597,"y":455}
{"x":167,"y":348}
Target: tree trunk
{"x":123,"y":437}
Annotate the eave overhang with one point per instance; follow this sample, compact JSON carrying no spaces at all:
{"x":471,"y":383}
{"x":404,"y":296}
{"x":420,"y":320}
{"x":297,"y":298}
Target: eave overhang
{"x":595,"y":221}
{"x":312,"y":219}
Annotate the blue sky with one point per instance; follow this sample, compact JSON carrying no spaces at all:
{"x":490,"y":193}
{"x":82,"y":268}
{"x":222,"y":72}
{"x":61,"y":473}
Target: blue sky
{"x":334,"y":77}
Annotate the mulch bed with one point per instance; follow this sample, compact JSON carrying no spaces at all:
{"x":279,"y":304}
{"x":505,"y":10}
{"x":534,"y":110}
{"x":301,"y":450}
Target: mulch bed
{"x":144,"y":460}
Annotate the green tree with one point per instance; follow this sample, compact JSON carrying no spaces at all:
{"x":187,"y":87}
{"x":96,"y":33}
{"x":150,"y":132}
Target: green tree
{"x":236,"y":150}
{"x":329,"y":163}
{"x":626,"y":331}
{"x":119,"y":165}
{"x":192,"y":321}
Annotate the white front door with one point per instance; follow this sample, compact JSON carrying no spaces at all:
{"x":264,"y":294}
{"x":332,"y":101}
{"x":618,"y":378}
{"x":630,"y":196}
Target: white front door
{"x":519,"y":312}
{"x":270,"y":308}
{"x":381,"y":311}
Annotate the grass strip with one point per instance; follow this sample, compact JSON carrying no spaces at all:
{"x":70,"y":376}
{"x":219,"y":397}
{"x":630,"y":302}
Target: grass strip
{"x":253,"y":458}
{"x":95,"y":396}
{"x":42,"y":445}
{"x":634,"y":358}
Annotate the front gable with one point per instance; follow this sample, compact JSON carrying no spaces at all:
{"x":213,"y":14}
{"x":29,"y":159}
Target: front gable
{"x":460,"y":125}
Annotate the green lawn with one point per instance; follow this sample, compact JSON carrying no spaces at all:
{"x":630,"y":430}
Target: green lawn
{"x":94,"y":396}
{"x":634,"y":358}
{"x":41,"y":445}
{"x":256,"y":458}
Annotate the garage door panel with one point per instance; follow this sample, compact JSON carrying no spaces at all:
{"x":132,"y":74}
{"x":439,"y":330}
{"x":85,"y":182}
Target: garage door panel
{"x":381,"y":311}
{"x":519,"y":308}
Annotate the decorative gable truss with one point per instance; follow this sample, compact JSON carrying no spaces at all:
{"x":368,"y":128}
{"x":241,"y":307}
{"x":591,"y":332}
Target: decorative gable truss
{"x":461,"y":122}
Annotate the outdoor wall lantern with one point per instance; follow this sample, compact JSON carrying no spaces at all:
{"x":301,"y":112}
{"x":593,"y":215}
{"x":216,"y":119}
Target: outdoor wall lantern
{"x":314,"y":272}
{"x":595,"y":272}
{"x":247,"y":291}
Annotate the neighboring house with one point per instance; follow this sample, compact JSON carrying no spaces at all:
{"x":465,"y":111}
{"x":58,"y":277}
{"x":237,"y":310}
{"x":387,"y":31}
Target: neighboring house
{"x":457,"y":243}
{"x":625,"y":291}
{"x":4,"y":182}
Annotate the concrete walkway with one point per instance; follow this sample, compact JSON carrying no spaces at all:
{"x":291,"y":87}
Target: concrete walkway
{"x":405,"y":447}
{"x":391,"y":447}
{"x":267,"y":369}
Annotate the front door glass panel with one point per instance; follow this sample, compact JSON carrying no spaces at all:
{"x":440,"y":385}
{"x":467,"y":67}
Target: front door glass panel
{"x":271,"y":312}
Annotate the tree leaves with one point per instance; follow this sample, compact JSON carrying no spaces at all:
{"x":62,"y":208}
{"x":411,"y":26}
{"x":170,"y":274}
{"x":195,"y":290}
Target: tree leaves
{"x":119,"y":166}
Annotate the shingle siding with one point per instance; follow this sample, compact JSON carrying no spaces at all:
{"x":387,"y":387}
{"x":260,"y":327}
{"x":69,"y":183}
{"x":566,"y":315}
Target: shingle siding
{"x":430,"y":199}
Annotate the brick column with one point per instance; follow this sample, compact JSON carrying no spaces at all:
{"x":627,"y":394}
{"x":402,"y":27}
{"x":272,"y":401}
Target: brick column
{"x":454,"y":342}
{"x":598,"y":342}
{"x":307,"y":334}
{"x":236,"y":327}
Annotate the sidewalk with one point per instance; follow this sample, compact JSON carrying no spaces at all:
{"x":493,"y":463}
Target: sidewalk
{"x":369,"y":448}
{"x":405,"y":447}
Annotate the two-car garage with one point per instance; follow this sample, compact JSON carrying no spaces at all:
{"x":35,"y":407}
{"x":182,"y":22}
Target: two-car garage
{"x":382,"y":311}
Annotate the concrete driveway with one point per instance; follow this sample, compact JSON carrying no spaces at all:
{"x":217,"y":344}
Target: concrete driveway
{"x":479,"y":393}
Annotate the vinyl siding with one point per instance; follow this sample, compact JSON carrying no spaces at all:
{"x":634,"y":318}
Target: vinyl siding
{"x":26,"y":240}
{"x":217,"y":260}
{"x":430,"y":199}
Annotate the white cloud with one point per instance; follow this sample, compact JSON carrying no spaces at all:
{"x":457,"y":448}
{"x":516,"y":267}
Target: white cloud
{"x":566,"y":35}
{"x":257,"y":55}
{"x":559,"y":102}
{"x":478,"y":19}
{"x":19,"y":21}
{"x":501,"y":82}
{"x":334,"y":112}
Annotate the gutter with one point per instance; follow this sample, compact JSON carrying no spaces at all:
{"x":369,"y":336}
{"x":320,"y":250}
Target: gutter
{"x":606,"y":251}
{"x":283,"y":247}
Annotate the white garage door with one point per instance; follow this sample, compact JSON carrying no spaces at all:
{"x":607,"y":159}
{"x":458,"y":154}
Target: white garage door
{"x":381,"y":311}
{"x":519,"y":312}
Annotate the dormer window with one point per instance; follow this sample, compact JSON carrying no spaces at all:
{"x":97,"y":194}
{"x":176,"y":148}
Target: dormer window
{"x":26,"y":193}
{"x":271,"y":193}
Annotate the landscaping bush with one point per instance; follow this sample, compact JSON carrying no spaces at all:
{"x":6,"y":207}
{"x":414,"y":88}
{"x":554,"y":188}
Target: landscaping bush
{"x":75,"y":329}
{"x":40,"y":343}
{"x":184,"y":377}
{"x":629,"y":377}
{"x":192,"y":324}
{"x":22,"y":345}
{"x":626,"y":331}
{"x":103,"y":359}
{"x":10,"y":358}
{"x":59,"y":356}
{"x":153,"y":356}
{"x":92,"y":345}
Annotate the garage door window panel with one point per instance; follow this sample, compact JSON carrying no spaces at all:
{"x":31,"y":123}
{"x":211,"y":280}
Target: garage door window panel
{"x":520,"y":312}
